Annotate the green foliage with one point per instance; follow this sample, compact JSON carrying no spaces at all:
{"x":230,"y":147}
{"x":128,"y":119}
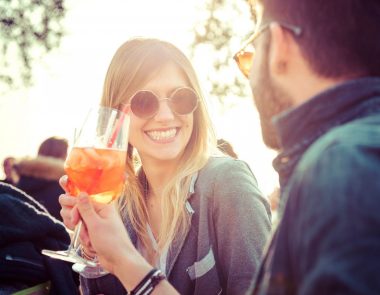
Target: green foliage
{"x":224,"y":27}
{"x":28,"y":29}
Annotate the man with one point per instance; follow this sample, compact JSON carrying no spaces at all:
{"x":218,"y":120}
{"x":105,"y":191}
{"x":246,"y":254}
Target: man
{"x":316,"y":84}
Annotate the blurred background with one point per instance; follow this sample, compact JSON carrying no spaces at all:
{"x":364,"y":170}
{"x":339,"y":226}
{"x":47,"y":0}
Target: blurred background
{"x":55,"y":53}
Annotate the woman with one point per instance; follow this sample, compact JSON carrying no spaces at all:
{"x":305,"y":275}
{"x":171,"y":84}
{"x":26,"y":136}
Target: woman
{"x":200,"y":219}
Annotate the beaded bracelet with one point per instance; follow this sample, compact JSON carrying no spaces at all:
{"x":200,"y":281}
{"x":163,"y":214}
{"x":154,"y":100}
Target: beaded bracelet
{"x":148,"y":283}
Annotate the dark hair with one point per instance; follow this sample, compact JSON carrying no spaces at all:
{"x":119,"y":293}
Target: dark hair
{"x":55,"y":147}
{"x":340,"y":38}
{"x":226,"y":148}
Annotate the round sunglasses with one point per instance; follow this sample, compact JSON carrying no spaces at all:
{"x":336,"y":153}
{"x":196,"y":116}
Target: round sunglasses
{"x":145,"y":103}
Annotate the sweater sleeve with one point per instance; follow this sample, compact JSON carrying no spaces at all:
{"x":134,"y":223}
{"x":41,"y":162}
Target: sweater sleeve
{"x":241,"y":223}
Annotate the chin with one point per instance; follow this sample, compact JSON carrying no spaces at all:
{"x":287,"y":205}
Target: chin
{"x":269,"y":133}
{"x":167,"y":155}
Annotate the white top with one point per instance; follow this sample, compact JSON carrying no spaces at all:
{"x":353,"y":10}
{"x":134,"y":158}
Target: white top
{"x":161,"y":261}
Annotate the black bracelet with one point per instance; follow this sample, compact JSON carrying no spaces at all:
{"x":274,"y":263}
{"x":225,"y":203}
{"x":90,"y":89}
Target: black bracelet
{"x":148,"y":283}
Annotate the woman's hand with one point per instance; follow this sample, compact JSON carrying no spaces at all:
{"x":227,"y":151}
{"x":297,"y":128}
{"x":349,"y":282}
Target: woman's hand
{"x":68,"y":212}
{"x":113,"y":246}
{"x":71,"y":217}
{"x":106,"y":231}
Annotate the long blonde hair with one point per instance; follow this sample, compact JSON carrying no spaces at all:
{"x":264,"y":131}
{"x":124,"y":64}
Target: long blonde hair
{"x":133,"y":65}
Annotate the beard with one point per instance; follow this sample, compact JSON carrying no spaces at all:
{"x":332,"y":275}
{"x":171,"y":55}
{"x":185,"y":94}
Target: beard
{"x":270,"y":100}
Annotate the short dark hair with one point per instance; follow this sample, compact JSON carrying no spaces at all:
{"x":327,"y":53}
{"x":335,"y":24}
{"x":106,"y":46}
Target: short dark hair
{"x":340,"y":38}
{"x":55,"y":147}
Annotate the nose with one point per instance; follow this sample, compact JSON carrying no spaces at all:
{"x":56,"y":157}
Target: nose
{"x":164,"y":113}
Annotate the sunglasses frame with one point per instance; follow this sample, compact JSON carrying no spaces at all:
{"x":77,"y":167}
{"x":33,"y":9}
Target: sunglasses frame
{"x":297,"y":31}
{"x":169,"y":99}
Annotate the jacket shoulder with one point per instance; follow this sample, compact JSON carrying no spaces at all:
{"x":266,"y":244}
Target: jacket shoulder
{"x":223,"y":164}
{"x":226,"y":178}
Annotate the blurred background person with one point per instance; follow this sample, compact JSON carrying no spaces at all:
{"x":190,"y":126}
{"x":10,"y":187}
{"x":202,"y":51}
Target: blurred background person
{"x":11,"y":175}
{"x":226,"y":148}
{"x":39,"y":176}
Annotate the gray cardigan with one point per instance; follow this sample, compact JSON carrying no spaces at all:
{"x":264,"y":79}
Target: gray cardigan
{"x":230,"y":223}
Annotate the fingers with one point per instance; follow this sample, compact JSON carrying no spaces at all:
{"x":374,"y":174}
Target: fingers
{"x":68,"y":212}
{"x":86,"y":210}
{"x":84,"y":237}
{"x":63,"y":183}
{"x":67,"y":201}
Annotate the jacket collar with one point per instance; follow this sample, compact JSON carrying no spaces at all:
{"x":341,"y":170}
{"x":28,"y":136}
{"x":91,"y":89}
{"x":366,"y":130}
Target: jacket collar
{"x":177,"y":244}
{"x":47,"y":168}
{"x":299,"y":127}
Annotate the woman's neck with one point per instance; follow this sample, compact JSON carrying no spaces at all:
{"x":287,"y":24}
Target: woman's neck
{"x":158,"y":175}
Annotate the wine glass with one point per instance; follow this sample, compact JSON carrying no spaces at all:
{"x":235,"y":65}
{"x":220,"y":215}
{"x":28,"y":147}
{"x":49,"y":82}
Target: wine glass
{"x":96,"y":165}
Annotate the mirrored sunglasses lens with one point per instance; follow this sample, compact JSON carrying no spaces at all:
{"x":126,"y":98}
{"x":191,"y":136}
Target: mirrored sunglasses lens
{"x":144,"y":104}
{"x":184,"y":101}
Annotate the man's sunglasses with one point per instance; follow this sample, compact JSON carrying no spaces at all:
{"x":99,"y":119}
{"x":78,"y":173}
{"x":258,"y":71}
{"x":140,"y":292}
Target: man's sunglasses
{"x":244,"y":57}
{"x":145,"y":103}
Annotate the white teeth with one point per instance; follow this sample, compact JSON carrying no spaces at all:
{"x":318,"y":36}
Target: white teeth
{"x":160,"y":135}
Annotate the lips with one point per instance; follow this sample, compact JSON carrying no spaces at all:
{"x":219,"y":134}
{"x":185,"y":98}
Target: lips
{"x":162,"y":135}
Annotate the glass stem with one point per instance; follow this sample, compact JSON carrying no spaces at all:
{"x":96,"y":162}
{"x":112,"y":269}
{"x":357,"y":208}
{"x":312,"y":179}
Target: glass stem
{"x":74,"y":241}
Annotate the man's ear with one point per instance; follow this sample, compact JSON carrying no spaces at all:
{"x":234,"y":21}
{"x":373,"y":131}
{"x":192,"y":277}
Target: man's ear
{"x":280,"y":49}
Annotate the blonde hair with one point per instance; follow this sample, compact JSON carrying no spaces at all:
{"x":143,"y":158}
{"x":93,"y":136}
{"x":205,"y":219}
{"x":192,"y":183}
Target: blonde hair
{"x":133,"y":65}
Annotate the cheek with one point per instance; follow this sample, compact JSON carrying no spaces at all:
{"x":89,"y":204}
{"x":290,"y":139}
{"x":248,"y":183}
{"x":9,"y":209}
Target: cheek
{"x":256,"y":71}
{"x":187,"y":128}
{"x":190,"y":124}
{"x":134,"y":128}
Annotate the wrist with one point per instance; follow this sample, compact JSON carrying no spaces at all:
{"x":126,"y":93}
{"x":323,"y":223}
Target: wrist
{"x":131,"y":268}
{"x":148,"y":283}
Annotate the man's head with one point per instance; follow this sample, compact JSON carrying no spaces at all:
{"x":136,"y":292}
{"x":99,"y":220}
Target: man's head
{"x":333,"y":41}
{"x":340,"y":38}
{"x":55,"y":147}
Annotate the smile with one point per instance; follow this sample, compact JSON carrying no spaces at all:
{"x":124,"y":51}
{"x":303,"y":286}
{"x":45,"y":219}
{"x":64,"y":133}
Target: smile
{"x":158,"y":135}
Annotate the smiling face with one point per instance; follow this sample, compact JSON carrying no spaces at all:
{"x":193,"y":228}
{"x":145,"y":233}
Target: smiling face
{"x":165,"y":136}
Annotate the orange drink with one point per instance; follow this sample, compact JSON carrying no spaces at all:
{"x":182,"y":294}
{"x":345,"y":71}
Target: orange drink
{"x":99,"y":172}
{"x":95,"y":165}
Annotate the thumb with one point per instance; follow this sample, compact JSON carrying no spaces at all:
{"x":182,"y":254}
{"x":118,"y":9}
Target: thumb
{"x":63,"y":182}
{"x":86,"y":210}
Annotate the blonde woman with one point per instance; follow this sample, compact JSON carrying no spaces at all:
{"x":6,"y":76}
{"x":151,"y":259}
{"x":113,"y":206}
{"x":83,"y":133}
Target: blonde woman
{"x":198,"y":219}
